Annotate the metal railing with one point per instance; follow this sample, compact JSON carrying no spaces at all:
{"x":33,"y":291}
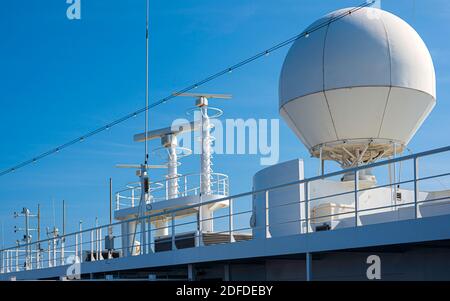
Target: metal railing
{"x":188,"y":184}
{"x":236,"y":221}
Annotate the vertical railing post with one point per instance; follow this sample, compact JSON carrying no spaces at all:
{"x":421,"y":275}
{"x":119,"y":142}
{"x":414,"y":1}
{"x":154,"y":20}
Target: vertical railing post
{"x":38,"y":255}
{"x":356,"y":196}
{"x":416,"y":187}
{"x":17,"y":259}
{"x":92,"y":245}
{"x":76,"y":248}
{"x":143,"y":236}
{"x":54,"y":252}
{"x":63,"y":241}
{"x":96,"y":245}
{"x":149,"y":236}
{"x":266,"y":215}
{"x":100,"y":243}
{"x":49,"y":255}
{"x":117,"y":201}
{"x":10,"y":261}
{"x":200,"y":222}
{"x":7,"y":262}
{"x":81,"y":241}
{"x":132,"y":197}
{"x":230,"y":219}
{"x":306,"y":205}
{"x":174,"y":246}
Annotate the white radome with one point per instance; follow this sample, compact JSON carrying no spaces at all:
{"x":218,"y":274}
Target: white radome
{"x":359,"y":88}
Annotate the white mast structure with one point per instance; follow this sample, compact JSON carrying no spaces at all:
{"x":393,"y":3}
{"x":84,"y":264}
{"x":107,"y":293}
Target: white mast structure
{"x":206,"y":214}
{"x":26,"y":214}
{"x":169,"y":142}
{"x":206,"y":137}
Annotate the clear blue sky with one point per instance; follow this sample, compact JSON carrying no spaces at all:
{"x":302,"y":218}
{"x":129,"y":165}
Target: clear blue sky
{"x":61,"y":78}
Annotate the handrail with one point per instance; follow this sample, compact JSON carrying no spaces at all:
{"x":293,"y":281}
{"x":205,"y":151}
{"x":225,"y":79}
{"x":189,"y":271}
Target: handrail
{"x":239,"y":195}
{"x":219,"y":185}
{"x":307,"y":200}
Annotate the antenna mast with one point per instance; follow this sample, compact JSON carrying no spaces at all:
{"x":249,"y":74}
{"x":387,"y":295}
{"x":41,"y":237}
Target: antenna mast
{"x":146,"y":82}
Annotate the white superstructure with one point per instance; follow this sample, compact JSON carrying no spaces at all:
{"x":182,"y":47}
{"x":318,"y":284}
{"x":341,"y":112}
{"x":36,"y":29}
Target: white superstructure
{"x":354,"y":90}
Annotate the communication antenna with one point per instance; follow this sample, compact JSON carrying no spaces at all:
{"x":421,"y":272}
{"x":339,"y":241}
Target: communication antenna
{"x":169,"y":143}
{"x":53,"y":212}
{"x":142,"y":172}
{"x":146,"y":79}
{"x":39,"y":222}
{"x":202,"y":105}
{"x":63,"y":217}
{"x":26,"y":214}
{"x":110,"y":202}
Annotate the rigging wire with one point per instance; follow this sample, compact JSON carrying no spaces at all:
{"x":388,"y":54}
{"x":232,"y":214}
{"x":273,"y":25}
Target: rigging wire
{"x":210,"y":78}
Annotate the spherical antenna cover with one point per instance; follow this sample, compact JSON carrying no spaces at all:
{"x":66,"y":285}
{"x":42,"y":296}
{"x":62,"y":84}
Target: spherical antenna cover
{"x":357,"y":88}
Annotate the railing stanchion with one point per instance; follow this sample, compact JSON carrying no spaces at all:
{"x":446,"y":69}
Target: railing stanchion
{"x":92,"y":245}
{"x":76,"y":248}
{"x":149,"y":237}
{"x":54,"y":252}
{"x":230,"y":221}
{"x":63,"y":242}
{"x":174,"y":246}
{"x":356,"y":196}
{"x":416,"y":186}
{"x":306,"y":205}
{"x":17,"y":259}
{"x":266,"y":215}
{"x":38,"y":255}
{"x":96,"y":245}
{"x":100,"y":243}
{"x":49,"y":256}
{"x":143,"y":236}
{"x":81,"y":241}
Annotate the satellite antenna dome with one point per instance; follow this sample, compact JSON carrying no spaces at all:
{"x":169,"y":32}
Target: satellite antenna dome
{"x":358,"y":87}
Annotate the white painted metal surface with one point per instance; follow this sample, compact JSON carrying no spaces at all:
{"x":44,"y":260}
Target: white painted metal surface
{"x":284,"y":210}
{"x":366,"y":79}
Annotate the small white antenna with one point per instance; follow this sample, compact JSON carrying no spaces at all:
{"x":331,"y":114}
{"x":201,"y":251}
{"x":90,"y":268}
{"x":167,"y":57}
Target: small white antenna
{"x":54,"y":215}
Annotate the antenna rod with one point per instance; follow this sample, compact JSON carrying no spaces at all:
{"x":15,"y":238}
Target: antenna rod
{"x":64,"y":218}
{"x":110,"y":201}
{"x":146,"y":82}
{"x":39,"y":222}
